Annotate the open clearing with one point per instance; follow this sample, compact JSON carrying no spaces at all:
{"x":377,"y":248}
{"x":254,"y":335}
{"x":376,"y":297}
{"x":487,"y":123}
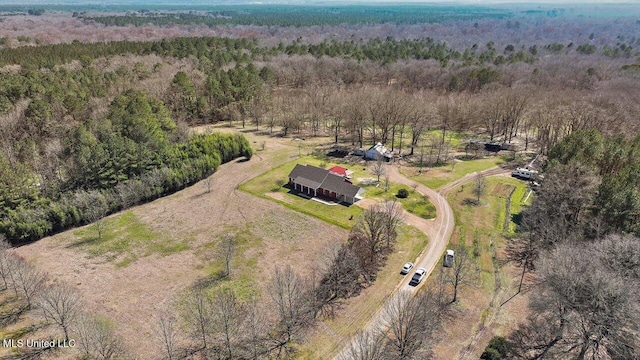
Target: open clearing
{"x":437,"y":177}
{"x":149,"y":254}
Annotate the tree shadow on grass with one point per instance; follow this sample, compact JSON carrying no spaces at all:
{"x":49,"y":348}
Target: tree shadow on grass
{"x":470,"y":202}
{"x":11,"y":315}
{"x":86,"y":241}
{"x":517,"y":218}
{"x":33,"y":353}
{"x":210,"y":280}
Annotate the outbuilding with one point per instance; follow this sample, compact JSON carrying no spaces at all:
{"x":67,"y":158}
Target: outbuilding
{"x":378,"y":152}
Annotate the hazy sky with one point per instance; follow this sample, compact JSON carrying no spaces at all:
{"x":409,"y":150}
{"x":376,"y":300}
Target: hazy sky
{"x":216,"y":2}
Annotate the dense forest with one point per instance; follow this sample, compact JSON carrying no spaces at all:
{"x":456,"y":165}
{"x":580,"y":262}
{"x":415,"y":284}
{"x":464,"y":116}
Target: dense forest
{"x":135,"y":154}
{"x":581,"y":237}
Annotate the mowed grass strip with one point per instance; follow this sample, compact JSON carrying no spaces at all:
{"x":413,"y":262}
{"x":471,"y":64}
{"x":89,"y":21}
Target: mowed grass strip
{"x":124,"y":239}
{"x":333,"y":334}
{"x":437,"y":177}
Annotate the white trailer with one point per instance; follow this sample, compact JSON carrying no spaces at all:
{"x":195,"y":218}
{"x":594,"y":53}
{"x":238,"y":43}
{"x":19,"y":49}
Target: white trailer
{"x":524,"y":173}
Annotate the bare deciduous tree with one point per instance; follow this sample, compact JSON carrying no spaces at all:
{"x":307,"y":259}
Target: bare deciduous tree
{"x":28,"y":280}
{"x":96,"y":216}
{"x":98,"y":340}
{"x":341,"y":278}
{"x":167,"y":335}
{"x":368,"y":240}
{"x":292,"y":302}
{"x":5,"y":262}
{"x":228,"y":246}
{"x":366,"y":345}
{"x":479,"y":187}
{"x":392,"y":217}
{"x":411,"y":321}
{"x":207,"y":183}
{"x":197,"y":316}
{"x":379,"y":168}
{"x":59,"y":304}
{"x":461,"y":272}
{"x":228,"y":317}
{"x":256,"y":325}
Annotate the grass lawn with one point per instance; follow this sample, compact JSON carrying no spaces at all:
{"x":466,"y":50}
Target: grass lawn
{"x":267,"y":186}
{"x":356,"y":312}
{"x":124,"y":239}
{"x":486,"y":221}
{"x":416,"y":203}
{"x":437,"y":177}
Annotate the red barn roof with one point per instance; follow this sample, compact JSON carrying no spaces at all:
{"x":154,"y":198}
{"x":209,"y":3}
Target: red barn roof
{"x":339,"y":170}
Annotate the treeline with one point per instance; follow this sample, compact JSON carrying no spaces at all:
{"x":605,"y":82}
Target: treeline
{"x":356,"y":263}
{"x":298,"y":16}
{"x":571,"y":237}
{"x":219,"y":51}
{"x":391,"y":50}
{"x":133,"y":155}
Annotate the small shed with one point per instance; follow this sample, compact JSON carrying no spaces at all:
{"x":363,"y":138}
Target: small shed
{"x":378,"y":151}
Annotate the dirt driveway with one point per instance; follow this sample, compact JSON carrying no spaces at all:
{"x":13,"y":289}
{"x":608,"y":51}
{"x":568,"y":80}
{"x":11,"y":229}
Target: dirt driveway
{"x":439,"y":229}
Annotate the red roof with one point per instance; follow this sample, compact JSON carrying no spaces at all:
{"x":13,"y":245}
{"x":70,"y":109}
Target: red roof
{"x":339,"y":170}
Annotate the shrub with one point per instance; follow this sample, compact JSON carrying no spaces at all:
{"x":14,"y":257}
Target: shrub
{"x":403,"y":193}
{"x":497,"y":349}
{"x":279,"y":184}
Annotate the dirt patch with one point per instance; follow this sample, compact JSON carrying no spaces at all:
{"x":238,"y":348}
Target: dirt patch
{"x":502,"y":190}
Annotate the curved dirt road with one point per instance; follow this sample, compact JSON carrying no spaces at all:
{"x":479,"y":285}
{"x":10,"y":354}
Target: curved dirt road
{"x":439,"y":231}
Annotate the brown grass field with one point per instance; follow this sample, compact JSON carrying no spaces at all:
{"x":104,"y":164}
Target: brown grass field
{"x":131,"y":292}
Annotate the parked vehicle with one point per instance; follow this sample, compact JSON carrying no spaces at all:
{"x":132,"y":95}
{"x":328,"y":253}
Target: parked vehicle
{"x":405,"y":269}
{"x":524,"y":173}
{"x":449,"y":257}
{"x":418,"y":276}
